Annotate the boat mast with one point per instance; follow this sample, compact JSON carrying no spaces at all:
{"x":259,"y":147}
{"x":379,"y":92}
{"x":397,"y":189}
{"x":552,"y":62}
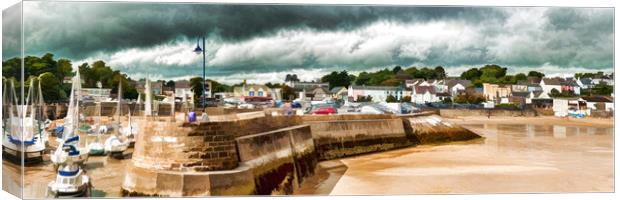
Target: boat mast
{"x":119,"y":104}
{"x":149,"y":99}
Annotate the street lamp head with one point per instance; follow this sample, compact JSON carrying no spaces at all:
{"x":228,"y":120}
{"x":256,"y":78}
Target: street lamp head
{"x":198,"y":50}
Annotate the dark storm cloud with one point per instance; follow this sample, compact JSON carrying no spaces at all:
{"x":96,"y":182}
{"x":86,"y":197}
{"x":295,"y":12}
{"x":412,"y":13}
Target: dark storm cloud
{"x":251,"y":40}
{"x":79,"y":29}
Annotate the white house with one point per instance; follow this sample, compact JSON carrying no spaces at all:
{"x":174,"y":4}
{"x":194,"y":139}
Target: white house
{"x":456,"y":85}
{"x":599,"y":103}
{"x":378,"y":93}
{"x":424,"y":94}
{"x":183,"y":88}
{"x":560,"y":107}
{"x":548,"y":84}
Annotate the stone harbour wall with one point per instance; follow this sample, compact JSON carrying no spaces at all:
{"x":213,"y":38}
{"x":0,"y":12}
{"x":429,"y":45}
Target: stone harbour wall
{"x":272,"y":162}
{"x":432,"y":129}
{"x":340,"y":138}
{"x":279,"y":159}
{"x":256,"y":154}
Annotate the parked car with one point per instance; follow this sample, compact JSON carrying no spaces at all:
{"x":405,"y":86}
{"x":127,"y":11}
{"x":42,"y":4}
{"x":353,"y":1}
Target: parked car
{"x":325,"y":111}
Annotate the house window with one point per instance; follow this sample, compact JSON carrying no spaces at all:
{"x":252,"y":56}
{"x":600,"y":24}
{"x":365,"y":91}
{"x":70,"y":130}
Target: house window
{"x":251,"y":93}
{"x":260,"y":93}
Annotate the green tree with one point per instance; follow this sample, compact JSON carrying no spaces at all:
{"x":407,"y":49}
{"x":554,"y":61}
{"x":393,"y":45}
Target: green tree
{"x":364,"y":98}
{"x":405,"y":99}
{"x":196,"y":87}
{"x":50,"y":86}
{"x":535,"y":74}
{"x":554,"y":93}
{"x":390,"y":99}
{"x":63,"y":69}
{"x":520,"y":77}
{"x":475,"y":98}
{"x":471,"y":74}
{"x":602,"y":89}
{"x":337,"y":79}
{"x":362,"y":79}
{"x":397,"y":69}
{"x":440,"y":73}
{"x":288,"y":93}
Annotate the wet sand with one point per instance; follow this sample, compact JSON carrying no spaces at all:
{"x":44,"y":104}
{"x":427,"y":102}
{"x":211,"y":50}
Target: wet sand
{"x":106,"y":173}
{"x":519,"y":157}
{"x":516,"y":156}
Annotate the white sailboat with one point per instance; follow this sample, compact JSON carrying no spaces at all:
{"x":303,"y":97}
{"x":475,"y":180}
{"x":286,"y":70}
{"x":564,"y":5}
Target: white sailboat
{"x":23,"y":136}
{"x":68,"y":150}
{"x":96,"y":148}
{"x":130,"y":131}
{"x":116,"y":144}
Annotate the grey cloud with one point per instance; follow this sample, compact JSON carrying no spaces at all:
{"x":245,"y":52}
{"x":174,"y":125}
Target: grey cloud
{"x":77,"y":29}
{"x":518,"y":37}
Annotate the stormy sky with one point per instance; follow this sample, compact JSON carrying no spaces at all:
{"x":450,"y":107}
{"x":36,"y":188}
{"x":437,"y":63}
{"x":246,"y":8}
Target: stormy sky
{"x":264,"y":42}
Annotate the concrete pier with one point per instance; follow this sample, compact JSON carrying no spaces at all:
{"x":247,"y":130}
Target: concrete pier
{"x":252,"y":153}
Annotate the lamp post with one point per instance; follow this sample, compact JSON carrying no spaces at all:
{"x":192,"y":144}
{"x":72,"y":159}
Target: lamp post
{"x":202,"y":50}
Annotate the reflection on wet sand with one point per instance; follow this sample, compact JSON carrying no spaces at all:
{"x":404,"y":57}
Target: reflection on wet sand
{"x":513,"y":158}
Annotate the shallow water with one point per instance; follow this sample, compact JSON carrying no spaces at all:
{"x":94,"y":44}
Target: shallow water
{"x":510,"y":159}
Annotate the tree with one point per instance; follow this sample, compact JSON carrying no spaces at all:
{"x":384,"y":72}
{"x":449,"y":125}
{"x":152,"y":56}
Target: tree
{"x":397,"y":69}
{"x":362,"y":79}
{"x":336,"y":79}
{"x":602,"y":89}
{"x":391,"y":82}
{"x":291,"y":78}
{"x":535,"y":74}
{"x":170,"y":84}
{"x":475,"y":98}
{"x":364,"y":98}
{"x":196,"y":87}
{"x":390,"y":99}
{"x":288,"y":93}
{"x":50,"y":86}
{"x":554,"y":93}
{"x":440,"y":73}
{"x":405,"y":99}
{"x":520,"y":77}
{"x":471,"y":74}
{"x":492,"y":73}
{"x":63,"y":69}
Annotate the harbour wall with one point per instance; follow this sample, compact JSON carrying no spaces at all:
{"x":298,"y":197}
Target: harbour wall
{"x":272,"y":162}
{"x":255,"y":154}
{"x":346,"y":135}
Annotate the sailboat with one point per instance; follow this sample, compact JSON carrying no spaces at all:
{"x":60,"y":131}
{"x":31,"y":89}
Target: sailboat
{"x":68,"y":150}
{"x":130,"y":131}
{"x":95,"y":148}
{"x":116,"y":144}
{"x":23,"y":136}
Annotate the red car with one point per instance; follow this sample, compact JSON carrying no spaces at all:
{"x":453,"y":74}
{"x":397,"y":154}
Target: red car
{"x":325,"y":111}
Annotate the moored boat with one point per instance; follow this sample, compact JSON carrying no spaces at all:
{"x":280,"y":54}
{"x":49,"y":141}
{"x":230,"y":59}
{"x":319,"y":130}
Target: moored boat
{"x":71,"y":181}
{"x":24,"y":137}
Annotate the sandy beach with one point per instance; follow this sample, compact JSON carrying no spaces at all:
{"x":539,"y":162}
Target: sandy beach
{"x":516,"y":155}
